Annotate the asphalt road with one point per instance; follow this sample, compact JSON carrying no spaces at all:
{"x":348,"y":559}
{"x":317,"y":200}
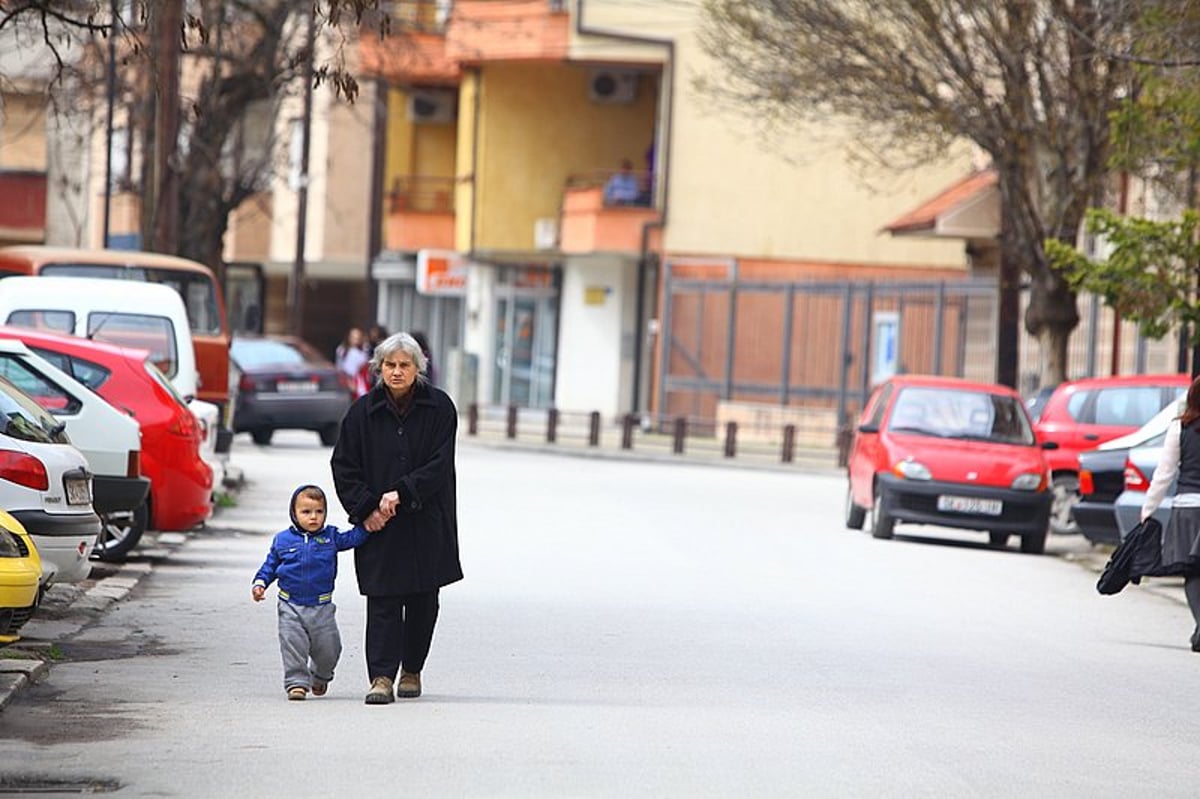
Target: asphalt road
{"x":632,"y":629}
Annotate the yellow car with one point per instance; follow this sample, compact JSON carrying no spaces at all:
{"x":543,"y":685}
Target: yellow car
{"x":20,"y":574}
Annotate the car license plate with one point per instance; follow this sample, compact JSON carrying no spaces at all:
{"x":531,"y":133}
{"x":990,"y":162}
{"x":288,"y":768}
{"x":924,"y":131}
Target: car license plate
{"x":79,"y":491}
{"x":295,"y":386}
{"x":984,"y":507}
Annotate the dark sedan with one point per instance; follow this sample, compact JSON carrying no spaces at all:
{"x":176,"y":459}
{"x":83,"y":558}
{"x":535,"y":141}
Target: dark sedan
{"x":285,"y":384}
{"x":1101,"y":481}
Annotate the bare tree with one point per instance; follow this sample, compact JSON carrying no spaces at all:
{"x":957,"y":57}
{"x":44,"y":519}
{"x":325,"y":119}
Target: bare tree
{"x":1030,"y":82}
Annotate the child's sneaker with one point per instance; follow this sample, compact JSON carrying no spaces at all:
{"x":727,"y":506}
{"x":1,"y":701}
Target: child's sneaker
{"x":297,"y":694}
{"x":319,"y":688}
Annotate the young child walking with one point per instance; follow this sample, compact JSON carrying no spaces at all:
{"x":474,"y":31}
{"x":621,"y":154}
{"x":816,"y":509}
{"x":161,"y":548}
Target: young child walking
{"x":304,"y":560}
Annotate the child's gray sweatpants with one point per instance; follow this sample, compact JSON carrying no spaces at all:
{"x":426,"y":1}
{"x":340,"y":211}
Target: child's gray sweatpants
{"x":308,"y":633}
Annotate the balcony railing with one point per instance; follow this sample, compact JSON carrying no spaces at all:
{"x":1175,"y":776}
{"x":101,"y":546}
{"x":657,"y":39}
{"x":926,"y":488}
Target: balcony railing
{"x":596,"y":220}
{"x":420,"y":213}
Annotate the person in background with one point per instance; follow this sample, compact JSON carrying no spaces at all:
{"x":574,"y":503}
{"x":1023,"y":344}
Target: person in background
{"x":352,"y":361}
{"x":622,"y":188}
{"x":393,"y":468}
{"x":375,"y":334}
{"x":423,"y":342}
{"x":1181,"y":536}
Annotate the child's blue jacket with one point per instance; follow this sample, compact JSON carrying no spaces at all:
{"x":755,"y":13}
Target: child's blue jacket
{"x":306,"y":563}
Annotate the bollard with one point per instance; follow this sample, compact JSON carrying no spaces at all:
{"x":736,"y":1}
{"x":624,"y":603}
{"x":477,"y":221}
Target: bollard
{"x":594,"y":429}
{"x":730,"y":439}
{"x":680,"y":433}
{"x":552,"y":426}
{"x":627,"y":431}
{"x":789,"y":442}
{"x":473,"y":419}
{"x":512,"y":421}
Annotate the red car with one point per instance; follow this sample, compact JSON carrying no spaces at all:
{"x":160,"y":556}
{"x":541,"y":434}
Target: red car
{"x":181,"y":483}
{"x":950,"y":452}
{"x":1082,"y":414}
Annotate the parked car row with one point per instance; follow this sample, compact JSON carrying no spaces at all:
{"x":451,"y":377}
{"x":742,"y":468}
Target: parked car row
{"x":973,"y":456}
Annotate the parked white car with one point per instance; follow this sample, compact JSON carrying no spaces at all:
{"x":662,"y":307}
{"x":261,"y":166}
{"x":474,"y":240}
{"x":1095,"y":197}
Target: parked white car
{"x":46,"y":485}
{"x":147,"y":316}
{"x":110,"y":439}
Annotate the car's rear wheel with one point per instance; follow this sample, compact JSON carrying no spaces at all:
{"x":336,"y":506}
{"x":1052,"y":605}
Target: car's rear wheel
{"x":998,"y":538}
{"x":1034,"y":543}
{"x":120,"y":532}
{"x":1066,"y":494}
{"x":329,"y":435}
{"x":882,"y":524}
{"x":262,"y":435}
{"x":855,"y":514}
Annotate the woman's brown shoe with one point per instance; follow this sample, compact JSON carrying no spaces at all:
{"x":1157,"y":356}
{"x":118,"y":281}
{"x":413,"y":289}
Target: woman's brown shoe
{"x":410,"y":685}
{"x":381,"y":691}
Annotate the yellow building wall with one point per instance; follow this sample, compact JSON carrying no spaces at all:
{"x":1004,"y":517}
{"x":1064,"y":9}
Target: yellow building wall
{"x":537,"y":127}
{"x":464,"y":190}
{"x":799,"y":196}
{"x":426,"y":149}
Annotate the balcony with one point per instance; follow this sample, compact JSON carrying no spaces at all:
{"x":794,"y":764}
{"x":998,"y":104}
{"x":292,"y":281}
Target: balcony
{"x":508,"y":30}
{"x":420,"y":214}
{"x":23,"y":212}
{"x":590,"y":225}
{"x":413,"y":52}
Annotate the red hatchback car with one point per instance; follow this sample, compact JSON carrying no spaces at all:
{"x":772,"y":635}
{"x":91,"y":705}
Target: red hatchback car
{"x":181,"y":483}
{"x":1082,"y":414}
{"x":950,"y":452}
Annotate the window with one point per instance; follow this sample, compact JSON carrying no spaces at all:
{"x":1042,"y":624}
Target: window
{"x":1128,"y":407}
{"x":1076,"y":404}
{"x":57,"y":321}
{"x":24,"y":419}
{"x":47,"y":394}
{"x":145,"y":332}
{"x":92,"y":375}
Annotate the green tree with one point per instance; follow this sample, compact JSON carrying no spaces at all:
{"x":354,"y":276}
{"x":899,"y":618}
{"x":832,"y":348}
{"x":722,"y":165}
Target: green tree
{"x":1030,"y":82}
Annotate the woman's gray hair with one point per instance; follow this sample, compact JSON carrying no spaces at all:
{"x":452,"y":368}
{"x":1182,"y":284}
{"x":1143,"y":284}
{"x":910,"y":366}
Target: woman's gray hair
{"x":399,"y":342}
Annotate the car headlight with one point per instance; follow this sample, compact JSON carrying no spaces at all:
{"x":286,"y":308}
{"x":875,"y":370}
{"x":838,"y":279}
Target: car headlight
{"x":910,"y":469}
{"x":10,"y":547}
{"x":1030,"y":481}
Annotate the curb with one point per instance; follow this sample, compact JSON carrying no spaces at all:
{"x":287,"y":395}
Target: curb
{"x":65,"y":611}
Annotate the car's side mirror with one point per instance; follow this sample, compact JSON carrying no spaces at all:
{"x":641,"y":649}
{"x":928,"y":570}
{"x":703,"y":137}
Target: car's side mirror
{"x":868,"y":428}
{"x":1049,"y":445}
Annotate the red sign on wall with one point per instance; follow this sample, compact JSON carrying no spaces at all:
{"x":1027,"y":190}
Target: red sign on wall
{"x":442,"y":273}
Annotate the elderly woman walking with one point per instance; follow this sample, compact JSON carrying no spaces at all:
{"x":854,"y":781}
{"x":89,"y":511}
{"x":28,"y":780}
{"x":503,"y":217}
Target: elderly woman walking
{"x":393,"y":469}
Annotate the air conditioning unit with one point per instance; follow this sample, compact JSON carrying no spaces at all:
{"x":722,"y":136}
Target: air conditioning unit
{"x":432,"y":106}
{"x":545,"y":233}
{"x":612,"y":86}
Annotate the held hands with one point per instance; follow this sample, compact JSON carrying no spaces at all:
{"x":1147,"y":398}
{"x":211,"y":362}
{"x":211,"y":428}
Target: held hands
{"x":258,"y":592}
{"x":386,"y":510}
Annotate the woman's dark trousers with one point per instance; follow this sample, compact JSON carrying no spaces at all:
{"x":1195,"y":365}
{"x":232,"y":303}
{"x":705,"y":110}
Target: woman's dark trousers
{"x":399,"y":632}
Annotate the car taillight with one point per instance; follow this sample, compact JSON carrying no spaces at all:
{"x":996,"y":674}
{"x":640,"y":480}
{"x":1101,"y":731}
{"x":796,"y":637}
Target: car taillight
{"x":247,"y":384}
{"x":1134,"y":479}
{"x":22,"y":469}
{"x":133,"y":463}
{"x":346,"y":382}
{"x":1086,"y":484}
{"x":184,"y":424}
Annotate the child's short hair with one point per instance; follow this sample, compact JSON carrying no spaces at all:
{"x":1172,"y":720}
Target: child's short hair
{"x":312,"y":492}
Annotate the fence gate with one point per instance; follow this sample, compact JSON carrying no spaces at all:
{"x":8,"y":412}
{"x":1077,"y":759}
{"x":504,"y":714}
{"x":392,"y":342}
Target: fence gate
{"x":766,"y":353}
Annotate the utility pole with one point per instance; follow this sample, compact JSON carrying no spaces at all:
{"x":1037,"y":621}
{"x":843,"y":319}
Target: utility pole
{"x":160,"y":200}
{"x":108,"y":125}
{"x":295,"y":289}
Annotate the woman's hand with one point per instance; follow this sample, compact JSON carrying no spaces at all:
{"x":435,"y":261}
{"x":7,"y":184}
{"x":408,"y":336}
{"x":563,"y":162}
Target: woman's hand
{"x":388,"y":503}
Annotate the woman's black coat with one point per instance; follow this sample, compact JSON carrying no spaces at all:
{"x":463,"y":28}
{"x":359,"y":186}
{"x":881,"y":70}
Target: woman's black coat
{"x":379,"y":451}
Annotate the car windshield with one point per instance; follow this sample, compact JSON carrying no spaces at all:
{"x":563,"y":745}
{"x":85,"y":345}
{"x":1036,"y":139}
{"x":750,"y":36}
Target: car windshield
{"x":251,"y":354}
{"x":961,"y":414}
{"x":24,"y":419}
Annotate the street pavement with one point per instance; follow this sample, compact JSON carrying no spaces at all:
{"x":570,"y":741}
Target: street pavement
{"x":609,"y":681}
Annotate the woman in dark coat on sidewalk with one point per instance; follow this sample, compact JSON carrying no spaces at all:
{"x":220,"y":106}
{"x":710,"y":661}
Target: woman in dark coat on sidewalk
{"x":393,"y":468}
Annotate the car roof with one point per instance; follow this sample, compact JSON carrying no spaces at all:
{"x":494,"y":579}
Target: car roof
{"x":70,"y":292}
{"x":40,"y":255}
{"x":83,"y":346}
{"x":962,"y":384}
{"x":1127,"y":380}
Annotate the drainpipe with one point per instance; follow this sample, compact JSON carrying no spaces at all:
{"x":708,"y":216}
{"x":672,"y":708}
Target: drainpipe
{"x":662,"y":155}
